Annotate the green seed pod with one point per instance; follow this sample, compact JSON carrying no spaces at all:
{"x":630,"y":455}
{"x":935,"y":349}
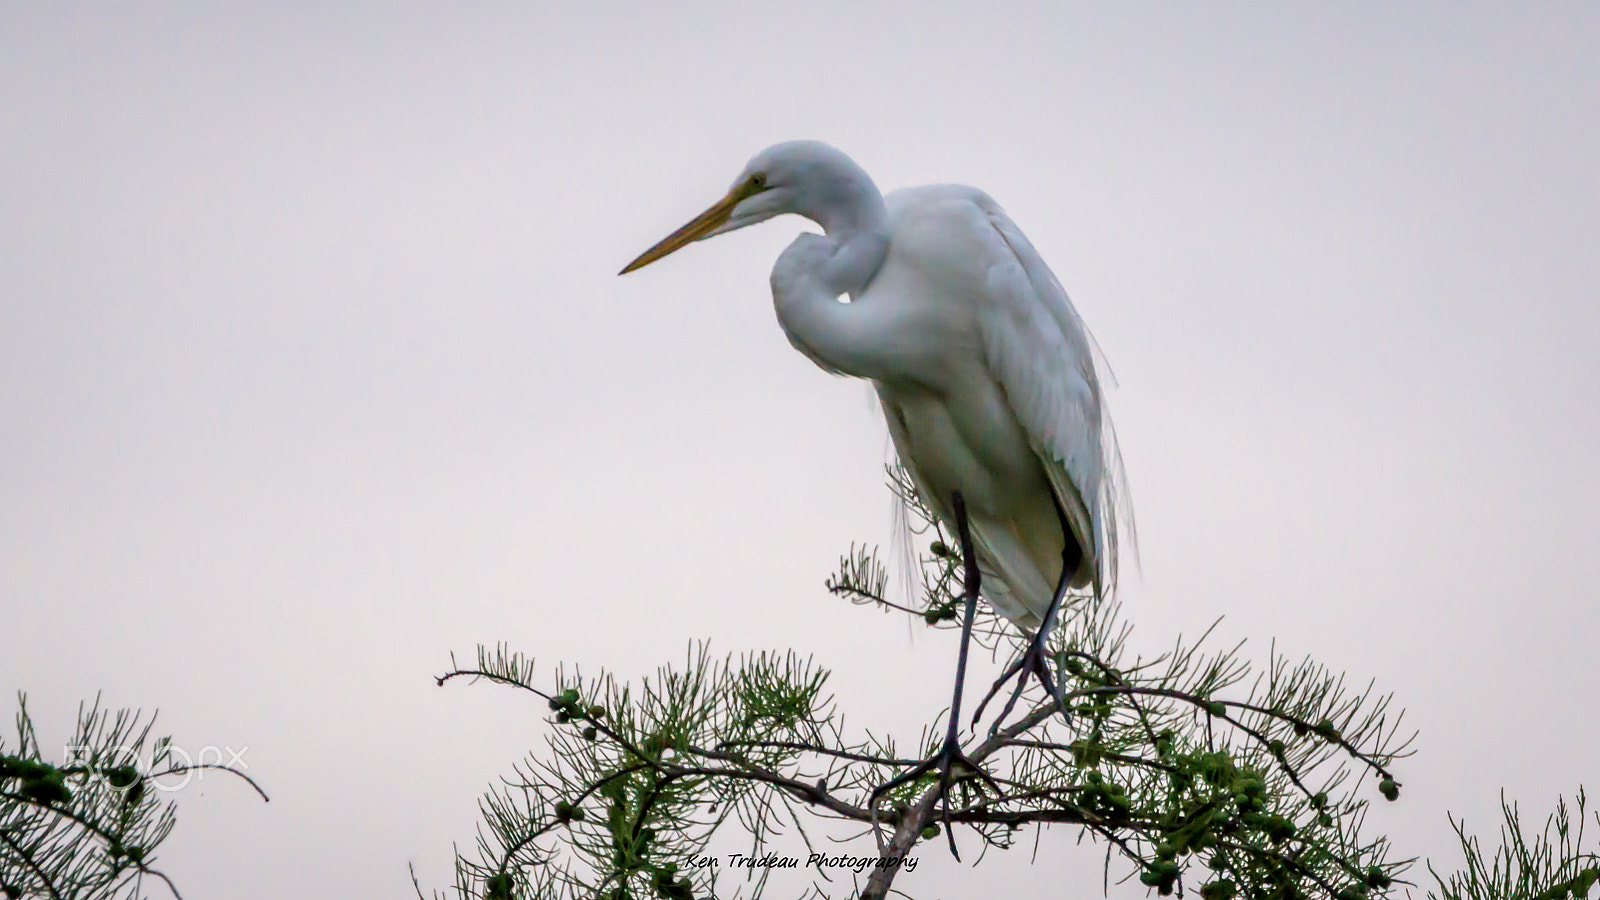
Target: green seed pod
{"x":590,"y":733}
{"x":597,"y":712}
{"x":49,"y":789}
{"x":1389,"y":789}
{"x":122,"y":777}
{"x":497,"y":886}
{"x":1216,"y":708}
{"x":932,"y":615}
{"x":939,"y":549}
{"x":931,"y":832}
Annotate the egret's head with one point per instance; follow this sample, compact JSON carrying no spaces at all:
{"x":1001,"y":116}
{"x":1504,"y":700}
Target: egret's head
{"x":805,"y":177}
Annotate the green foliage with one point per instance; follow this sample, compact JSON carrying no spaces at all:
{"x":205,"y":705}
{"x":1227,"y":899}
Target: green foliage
{"x":1554,"y":864}
{"x":638,"y":779}
{"x":86,"y":827}
{"x":1235,"y":801}
{"x":1199,"y":771}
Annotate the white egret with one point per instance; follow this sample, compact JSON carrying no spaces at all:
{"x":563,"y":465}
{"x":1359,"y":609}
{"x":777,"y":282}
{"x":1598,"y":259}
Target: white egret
{"x":984,"y":370}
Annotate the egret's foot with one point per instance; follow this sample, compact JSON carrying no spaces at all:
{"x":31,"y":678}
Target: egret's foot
{"x":954,"y":768}
{"x":1033,"y":661}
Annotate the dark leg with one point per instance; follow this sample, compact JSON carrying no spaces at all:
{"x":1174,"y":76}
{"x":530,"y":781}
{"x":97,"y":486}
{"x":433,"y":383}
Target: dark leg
{"x":1034,"y":661}
{"x":949,"y":758}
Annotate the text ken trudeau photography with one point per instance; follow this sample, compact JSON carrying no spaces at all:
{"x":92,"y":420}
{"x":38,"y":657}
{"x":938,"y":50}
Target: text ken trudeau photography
{"x":817,"y":860}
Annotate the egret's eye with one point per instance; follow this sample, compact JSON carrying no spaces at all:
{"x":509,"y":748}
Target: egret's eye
{"x":758,"y":181}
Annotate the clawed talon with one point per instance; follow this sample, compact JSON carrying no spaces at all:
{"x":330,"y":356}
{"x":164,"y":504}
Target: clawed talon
{"x":954,"y":768}
{"x":1033,"y":661}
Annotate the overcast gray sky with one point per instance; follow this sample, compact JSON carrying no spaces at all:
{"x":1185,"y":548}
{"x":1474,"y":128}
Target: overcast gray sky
{"x":314,"y":368}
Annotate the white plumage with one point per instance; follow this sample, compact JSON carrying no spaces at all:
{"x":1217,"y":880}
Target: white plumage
{"x":984,"y":370}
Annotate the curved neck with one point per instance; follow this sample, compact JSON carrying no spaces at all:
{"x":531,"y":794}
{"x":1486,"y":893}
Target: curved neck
{"x":811,"y":275}
{"x":815,"y":271}
{"x":856,"y":258}
{"x":857,"y":223}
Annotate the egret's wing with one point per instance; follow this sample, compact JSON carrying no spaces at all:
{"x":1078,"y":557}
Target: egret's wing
{"x":1039,"y":350}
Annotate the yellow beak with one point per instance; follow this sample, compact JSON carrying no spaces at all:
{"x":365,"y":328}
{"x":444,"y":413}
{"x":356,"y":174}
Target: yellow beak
{"x":698,"y":227}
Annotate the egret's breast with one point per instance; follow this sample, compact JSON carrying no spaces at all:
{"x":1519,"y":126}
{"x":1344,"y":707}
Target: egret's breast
{"x":966,"y":438}
{"x":972,"y":443}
